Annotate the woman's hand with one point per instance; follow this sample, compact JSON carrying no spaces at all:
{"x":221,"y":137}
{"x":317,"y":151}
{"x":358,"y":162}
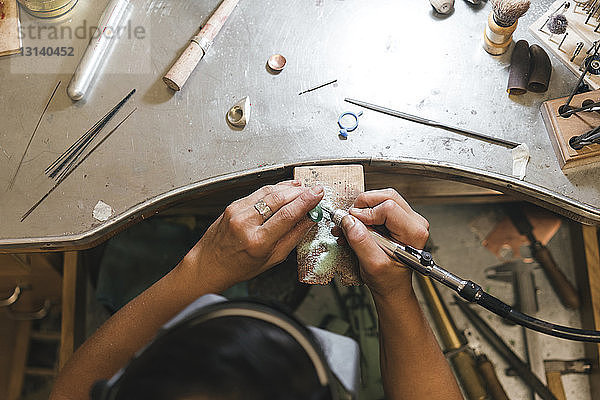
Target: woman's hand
{"x":384,"y":207}
{"x":240,"y":244}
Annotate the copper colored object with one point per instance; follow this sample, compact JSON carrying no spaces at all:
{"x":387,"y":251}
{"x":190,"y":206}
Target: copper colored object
{"x":276,"y":62}
{"x":505,"y":236}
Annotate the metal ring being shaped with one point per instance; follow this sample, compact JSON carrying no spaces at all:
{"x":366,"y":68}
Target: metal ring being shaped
{"x":263,"y":209}
{"x":344,"y":129}
{"x":316,"y":214}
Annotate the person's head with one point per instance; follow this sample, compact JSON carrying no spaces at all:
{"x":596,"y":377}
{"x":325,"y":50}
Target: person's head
{"x":228,"y":356}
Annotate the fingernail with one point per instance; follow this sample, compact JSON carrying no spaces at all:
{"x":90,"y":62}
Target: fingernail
{"x":296,"y":182}
{"x":348,"y":222}
{"x":317,"y":190}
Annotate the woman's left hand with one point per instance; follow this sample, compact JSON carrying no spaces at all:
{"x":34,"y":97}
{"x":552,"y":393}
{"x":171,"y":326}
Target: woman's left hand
{"x":241,"y":244}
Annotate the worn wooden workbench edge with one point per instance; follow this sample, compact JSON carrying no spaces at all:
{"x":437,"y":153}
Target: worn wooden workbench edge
{"x":526,"y":191}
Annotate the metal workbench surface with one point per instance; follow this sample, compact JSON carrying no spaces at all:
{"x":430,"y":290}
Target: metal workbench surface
{"x":395,"y":53}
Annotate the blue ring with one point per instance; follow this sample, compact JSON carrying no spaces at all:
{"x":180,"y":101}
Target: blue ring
{"x":345,"y":129}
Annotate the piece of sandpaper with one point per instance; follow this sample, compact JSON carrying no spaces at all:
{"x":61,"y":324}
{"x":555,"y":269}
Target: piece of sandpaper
{"x":10,"y":39}
{"x":321,"y":254}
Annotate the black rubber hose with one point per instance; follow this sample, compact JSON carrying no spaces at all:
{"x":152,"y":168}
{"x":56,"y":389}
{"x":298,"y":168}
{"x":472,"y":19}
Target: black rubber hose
{"x":474,"y":293}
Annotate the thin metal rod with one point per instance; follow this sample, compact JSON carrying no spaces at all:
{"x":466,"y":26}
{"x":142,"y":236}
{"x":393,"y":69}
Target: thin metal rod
{"x":591,"y":11}
{"x":576,"y":51}
{"x":83,"y":139}
{"x":424,"y":121}
{"x":589,"y":108}
{"x":563,"y":40}
{"x":554,"y":13}
{"x":585,"y":71}
{"x":81,"y":144}
{"x":68,"y":151}
{"x":318,"y":87}
{"x":14,"y":177}
{"x":32,"y":209}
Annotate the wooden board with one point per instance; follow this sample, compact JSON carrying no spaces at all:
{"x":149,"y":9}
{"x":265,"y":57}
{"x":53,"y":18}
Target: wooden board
{"x":592,"y":317}
{"x":577,"y":31}
{"x":321,"y":255}
{"x":10,"y":41}
{"x":561,"y":130}
{"x":67,"y":330}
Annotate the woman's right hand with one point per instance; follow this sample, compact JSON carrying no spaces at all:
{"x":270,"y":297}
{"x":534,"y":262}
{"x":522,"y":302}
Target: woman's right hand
{"x":384,"y":276}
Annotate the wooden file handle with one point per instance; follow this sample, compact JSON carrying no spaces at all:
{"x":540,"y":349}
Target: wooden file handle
{"x":555,"y":384}
{"x":563,"y":288}
{"x":464,"y":365}
{"x":488,"y":373}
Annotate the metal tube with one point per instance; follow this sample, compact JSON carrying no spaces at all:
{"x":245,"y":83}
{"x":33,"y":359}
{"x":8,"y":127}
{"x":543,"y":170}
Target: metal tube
{"x":108,"y":31}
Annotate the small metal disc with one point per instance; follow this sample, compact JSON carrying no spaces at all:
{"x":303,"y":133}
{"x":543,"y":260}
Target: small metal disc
{"x":276,"y":62}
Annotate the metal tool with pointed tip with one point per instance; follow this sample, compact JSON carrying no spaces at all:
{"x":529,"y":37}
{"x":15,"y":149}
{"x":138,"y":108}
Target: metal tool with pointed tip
{"x":239,"y":114}
{"x":420,"y":120}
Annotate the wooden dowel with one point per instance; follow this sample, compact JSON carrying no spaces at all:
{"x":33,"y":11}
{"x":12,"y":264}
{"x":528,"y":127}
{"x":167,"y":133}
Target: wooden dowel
{"x":199,"y":45}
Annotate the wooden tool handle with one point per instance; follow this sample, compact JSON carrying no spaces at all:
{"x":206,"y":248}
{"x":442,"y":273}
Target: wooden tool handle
{"x":488,"y":373}
{"x":555,"y":385}
{"x":184,"y":66}
{"x":469,"y":378}
{"x":187,"y":62}
{"x":217,"y":20}
{"x":563,"y":288}
{"x":497,"y":38}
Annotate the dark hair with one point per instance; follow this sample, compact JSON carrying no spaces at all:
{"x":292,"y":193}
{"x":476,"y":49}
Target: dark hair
{"x":226,"y":358}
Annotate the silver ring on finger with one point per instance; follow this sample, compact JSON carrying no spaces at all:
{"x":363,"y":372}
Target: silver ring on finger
{"x":263,"y":209}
